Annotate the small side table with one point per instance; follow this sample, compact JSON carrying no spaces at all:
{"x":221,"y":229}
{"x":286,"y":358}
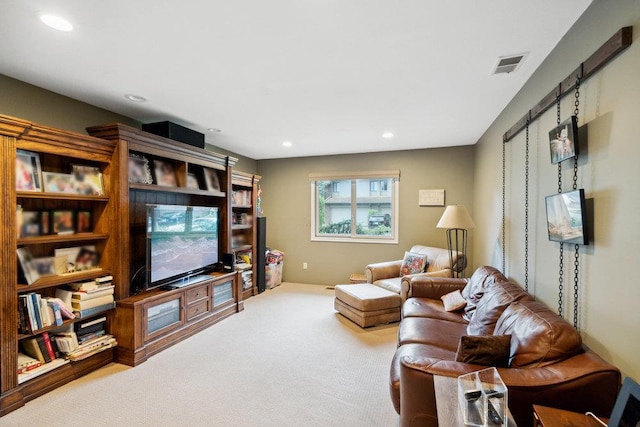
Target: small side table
{"x":449,"y":414}
{"x":552,"y":417}
{"x":357,"y":278}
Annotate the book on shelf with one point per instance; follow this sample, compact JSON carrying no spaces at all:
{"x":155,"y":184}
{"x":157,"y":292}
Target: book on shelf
{"x":31,"y":348}
{"x":85,"y":304}
{"x":43,"y":369}
{"x":27,"y":363}
{"x":66,"y":341}
{"x":92,"y":346}
{"x":95,"y":310}
{"x":43,"y":348}
{"x":48,"y":345}
{"x":92,"y":294}
{"x":65,"y":310}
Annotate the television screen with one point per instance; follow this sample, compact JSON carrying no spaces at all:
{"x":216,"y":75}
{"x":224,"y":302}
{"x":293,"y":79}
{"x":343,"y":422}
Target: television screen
{"x":181,"y":241}
{"x":566,"y":217}
{"x":563,"y":140}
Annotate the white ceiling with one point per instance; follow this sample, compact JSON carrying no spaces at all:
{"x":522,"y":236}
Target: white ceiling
{"x":328,"y":75}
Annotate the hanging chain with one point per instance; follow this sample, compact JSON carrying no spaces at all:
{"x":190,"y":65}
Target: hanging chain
{"x":504,"y":194}
{"x":561,"y":269}
{"x":526,"y":212}
{"x":576,"y":263}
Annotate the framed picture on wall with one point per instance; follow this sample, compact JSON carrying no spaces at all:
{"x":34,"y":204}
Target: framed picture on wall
{"x":563,"y":140}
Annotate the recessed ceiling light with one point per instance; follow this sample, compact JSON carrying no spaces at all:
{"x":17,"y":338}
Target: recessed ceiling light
{"x":135,"y":98}
{"x":214,"y":130}
{"x":387,"y":135}
{"x":287,"y":144}
{"x":56,"y":22}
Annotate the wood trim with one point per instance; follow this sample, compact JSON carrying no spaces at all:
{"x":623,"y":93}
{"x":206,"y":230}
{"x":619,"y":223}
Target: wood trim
{"x":606,"y":53}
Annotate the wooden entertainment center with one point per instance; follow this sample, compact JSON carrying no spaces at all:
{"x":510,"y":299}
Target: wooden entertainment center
{"x":143,"y":322}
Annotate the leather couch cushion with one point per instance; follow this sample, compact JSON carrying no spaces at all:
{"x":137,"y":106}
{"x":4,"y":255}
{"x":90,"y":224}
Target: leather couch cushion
{"x":481,"y":279}
{"x":539,"y":337}
{"x":496,"y":298}
{"x":440,"y":333}
{"x":438,"y":258}
{"x":392,"y":284}
{"x":421,"y":350}
{"x":433,"y":309}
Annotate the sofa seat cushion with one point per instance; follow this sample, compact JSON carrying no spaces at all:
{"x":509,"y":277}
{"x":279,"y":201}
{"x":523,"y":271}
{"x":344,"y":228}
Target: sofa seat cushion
{"x":367,"y":297}
{"x":495,"y":300}
{"x":433,"y":309}
{"x":392,"y":284}
{"x":481,"y":279}
{"x":440,"y":333}
{"x":419,"y":350}
{"x":539,"y":337}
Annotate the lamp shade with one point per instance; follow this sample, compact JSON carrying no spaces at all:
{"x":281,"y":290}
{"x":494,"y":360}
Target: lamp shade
{"x":456,"y":216}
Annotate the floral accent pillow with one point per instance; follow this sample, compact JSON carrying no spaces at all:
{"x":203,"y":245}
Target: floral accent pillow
{"x":413,"y":263}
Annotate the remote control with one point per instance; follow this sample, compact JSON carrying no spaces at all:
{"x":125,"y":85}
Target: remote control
{"x":472,"y":395}
{"x":493,"y":414}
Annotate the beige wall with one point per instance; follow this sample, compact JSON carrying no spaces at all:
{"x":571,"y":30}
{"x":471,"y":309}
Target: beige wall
{"x":287,"y":198}
{"x":608,"y":171}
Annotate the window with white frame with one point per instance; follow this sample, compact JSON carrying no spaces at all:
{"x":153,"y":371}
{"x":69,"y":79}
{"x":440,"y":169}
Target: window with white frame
{"x":355,"y":207}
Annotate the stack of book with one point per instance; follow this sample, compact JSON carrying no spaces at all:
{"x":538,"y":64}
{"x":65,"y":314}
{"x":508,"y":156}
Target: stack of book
{"x":92,"y":346}
{"x":90,"y":329}
{"x":36,"y":312}
{"x":27,"y":363}
{"x":89,"y":298}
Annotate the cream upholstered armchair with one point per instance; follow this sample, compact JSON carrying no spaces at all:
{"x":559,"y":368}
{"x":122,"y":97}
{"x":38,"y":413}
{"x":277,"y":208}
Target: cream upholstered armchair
{"x":387,"y":274}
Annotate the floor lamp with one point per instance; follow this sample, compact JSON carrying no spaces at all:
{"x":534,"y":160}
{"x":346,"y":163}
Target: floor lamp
{"x":456,"y":220}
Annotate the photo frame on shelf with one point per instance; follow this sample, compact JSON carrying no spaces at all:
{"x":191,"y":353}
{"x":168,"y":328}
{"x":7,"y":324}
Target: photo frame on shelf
{"x":211,"y":179}
{"x":44,"y":266}
{"x":26,"y":260}
{"x":87,"y":180}
{"x":83,"y":221}
{"x":58,"y":182}
{"x":139,"y":171}
{"x":45,"y":222}
{"x":192,"y":181}
{"x":78,"y":258}
{"x":164,"y":172}
{"x":563,"y":140}
{"x":62,"y":222}
{"x":31,"y":225}
{"x":28,"y":171}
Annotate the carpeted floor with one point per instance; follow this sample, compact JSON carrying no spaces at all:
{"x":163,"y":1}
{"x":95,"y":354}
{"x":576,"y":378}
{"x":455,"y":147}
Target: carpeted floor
{"x":287,"y":360}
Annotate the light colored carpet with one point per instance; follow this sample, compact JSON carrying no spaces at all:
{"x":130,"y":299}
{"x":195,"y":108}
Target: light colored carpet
{"x":287,"y":360}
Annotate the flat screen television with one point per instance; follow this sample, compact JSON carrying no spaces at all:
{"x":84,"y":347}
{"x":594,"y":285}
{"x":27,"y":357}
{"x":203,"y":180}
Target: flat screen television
{"x":182,"y":243}
{"x":567,"y":217}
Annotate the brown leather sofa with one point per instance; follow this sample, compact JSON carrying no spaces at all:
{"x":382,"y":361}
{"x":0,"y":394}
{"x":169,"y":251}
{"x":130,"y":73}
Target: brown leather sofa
{"x":548,"y":363}
{"x":387,"y":274}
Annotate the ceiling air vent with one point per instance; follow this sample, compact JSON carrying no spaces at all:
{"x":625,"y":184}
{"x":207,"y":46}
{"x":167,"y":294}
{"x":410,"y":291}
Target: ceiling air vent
{"x":508,"y":64}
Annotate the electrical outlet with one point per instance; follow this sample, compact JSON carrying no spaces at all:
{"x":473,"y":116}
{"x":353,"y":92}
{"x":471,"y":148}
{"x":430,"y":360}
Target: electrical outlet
{"x":304,"y":266}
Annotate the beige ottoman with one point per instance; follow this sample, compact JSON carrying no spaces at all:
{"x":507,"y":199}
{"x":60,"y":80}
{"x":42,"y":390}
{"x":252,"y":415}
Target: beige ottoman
{"x":367,"y":304}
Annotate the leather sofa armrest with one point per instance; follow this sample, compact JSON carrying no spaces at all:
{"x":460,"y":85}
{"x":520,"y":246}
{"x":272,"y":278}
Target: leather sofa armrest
{"x":584,"y":382}
{"x":426,"y":286}
{"x":382,"y":270}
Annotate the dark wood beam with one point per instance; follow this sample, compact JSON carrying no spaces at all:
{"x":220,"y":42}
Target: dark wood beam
{"x":609,"y":50}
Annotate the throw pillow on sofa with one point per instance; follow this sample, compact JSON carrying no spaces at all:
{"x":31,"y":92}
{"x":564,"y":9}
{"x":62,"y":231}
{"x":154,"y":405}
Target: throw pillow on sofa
{"x":490,"y":350}
{"x":453,"y":301}
{"x":413,"y":263}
